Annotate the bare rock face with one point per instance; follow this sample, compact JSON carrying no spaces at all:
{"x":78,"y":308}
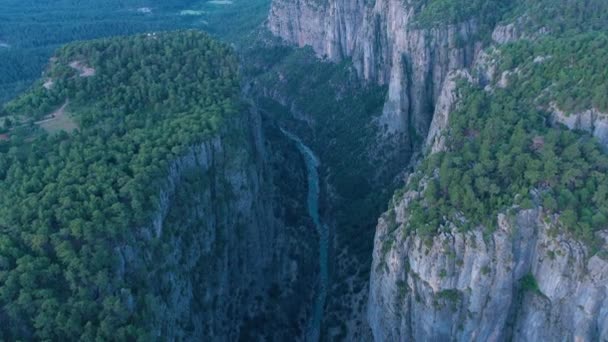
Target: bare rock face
{"x":506,"y":33}
{"x":523,"y":282}
{"x":215,"y":256}
{"x":329,"y":27}
{"x":446,"y":103}
{"x":592,"y":121}
{"x":386,"y":46}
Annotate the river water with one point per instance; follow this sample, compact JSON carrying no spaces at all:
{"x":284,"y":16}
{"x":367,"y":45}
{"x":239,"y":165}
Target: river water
{"x":312,"y":169}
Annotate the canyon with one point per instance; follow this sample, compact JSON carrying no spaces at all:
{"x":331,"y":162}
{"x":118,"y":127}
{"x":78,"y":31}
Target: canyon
{"x":454,"y":286}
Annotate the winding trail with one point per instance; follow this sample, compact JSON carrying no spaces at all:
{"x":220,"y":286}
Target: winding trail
{"x":312,"y":165}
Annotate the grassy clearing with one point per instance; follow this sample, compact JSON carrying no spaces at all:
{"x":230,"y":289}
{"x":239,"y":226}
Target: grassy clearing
{"x":59,"y":120}
{"x":64,"y":122}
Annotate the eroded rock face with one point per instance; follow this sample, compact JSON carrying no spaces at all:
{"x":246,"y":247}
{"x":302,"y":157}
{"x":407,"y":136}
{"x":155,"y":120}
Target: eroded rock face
{"x":386,"y":47}
{"x":218,"y":261}
{"x":591,"y":120}
{"x":469,"y":287}
{"x":503,"y":34}
{"x":446,"y":103}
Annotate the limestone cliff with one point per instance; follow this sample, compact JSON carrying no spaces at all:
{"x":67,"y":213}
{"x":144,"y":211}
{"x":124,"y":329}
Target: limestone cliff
{"x":386,"y":46}
{"x":445,"y":105}
{"x":219,"y":261}
{"x":526,"y":281}
{"x":523,"y":282}
{"x":592,"y":121}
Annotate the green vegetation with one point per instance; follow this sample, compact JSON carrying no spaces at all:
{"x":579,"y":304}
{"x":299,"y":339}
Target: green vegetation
{"x":342,"y":111}
{"x":535,"y":163}
{"x":563,"y":17}
{"x":232,"y":20}
{"x":445,"y":12}
{"x":402,"y":289}
{"x":568,"y":71}
{"x":557,"y":17}
{"x":31,"y":30}
{"x":451,"y":295}
{"x":67,"y":200}
{"x":528,"y":283}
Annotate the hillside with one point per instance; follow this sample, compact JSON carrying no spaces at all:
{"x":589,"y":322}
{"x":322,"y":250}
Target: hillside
{"x":58,"y":272}
{"x":116,"y":227}
{"x":31,"y":30}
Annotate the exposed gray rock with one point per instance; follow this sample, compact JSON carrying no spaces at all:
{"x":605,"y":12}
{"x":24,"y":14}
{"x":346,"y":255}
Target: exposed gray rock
{"x":386,"y":47}
{"x":591,"y":120}
{"x":215,"y":256}
{"x":446,"y":103}
{"x":468,"y":287}
{"x":503,"y":34}
{"x":485,"y":67}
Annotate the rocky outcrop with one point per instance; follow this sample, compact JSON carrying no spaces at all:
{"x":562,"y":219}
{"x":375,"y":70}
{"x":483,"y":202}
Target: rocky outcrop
{"x":446,"y":103}
{"x":592,"y":121}
{"x":505,"y":33}
{"x":523,"y":282}
{"x":218,"y":261}
{"x":386,"y":46}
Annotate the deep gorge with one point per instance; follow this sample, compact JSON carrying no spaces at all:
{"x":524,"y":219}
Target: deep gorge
{"x":312,"y":165}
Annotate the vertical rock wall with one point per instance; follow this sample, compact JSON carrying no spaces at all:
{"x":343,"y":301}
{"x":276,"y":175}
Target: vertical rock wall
{"x":218,"y":261}
{"x":522,"y":282}
{"x":386,"y":46}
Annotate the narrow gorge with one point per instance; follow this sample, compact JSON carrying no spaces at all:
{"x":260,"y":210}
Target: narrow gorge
{"x":312,"y":165}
